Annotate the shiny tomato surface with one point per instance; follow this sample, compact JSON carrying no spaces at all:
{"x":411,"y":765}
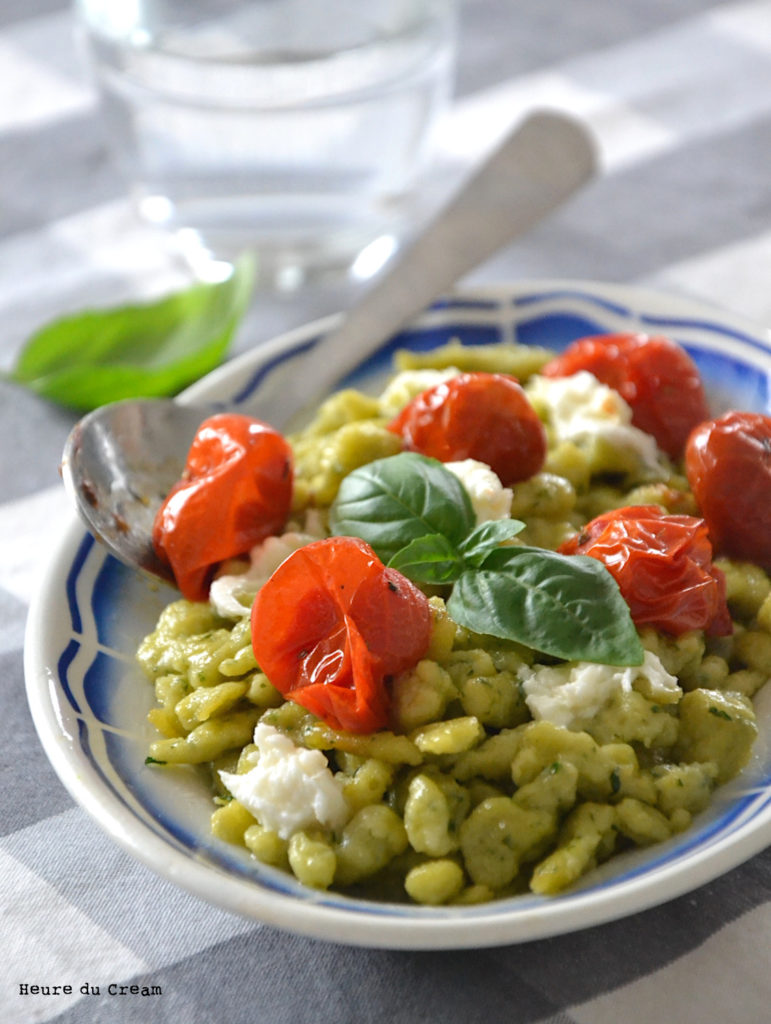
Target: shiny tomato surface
{"x":654,"y":375}
{"x":235,"y":491}
{"x":728,"y":464}
{"x":663,"y":566}
{"x":483,"y":416}
{"x":332,"y":624}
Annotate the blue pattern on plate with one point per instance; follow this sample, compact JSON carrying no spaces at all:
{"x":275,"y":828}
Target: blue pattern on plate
{"x":101,"y":684}
{"x":257,"y":379}
{"x":572,"y":295}
{"x":556,"y":330}
{"x":66,"y":659}
{"x":77,"y":563}
{"x":117,"y":586}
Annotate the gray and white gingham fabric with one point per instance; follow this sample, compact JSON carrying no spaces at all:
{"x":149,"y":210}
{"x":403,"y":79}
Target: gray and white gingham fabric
{"x":679,"y":94}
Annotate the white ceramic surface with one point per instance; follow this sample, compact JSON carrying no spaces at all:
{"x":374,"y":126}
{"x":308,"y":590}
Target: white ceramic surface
{"x":89,"y":701}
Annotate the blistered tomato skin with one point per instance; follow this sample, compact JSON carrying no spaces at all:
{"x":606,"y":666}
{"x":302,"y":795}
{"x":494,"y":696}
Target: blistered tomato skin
{"x":655,"y":376}
{"x":482,"y":416}
{"x":236,"y":490}
{"x":663,"y":567}
{"x":332,"y":624}
{"x":728,"y":465}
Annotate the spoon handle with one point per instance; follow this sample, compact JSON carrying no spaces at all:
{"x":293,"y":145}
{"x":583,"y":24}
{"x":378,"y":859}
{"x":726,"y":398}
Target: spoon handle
{"x":538,"y":166}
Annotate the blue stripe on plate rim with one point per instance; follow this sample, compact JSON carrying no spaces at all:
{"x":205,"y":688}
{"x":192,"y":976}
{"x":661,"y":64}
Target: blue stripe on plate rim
{"x":539,"y":305}
{"x":82,"y":553}
{"x":661,"y":322}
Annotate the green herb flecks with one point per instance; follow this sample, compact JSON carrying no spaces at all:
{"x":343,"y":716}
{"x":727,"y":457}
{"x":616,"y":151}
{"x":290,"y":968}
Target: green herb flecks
{"x":418,"y":517}
{"x":136,"y":351}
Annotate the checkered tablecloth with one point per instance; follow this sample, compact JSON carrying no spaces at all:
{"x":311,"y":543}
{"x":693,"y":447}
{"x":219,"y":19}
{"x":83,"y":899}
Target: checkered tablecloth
{"x":679,"y":95}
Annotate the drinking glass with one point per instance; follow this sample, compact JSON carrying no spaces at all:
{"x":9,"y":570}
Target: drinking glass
{"x":296,"y":129}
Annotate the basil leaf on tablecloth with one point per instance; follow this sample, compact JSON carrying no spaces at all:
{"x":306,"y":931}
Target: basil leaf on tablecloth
{"x":393,"y":501}
{"x":140,"y":350}
{"x":568,"y":606}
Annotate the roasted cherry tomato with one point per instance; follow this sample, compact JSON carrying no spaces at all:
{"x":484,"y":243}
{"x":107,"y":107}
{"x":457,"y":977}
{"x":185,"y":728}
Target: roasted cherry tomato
{"x":655,"y":376}
{"x":663,"y":566}
{"x":235,"y":491}
{"x":728,"y":464}
{"x":331,"y":624}
{"x":483,"y":416}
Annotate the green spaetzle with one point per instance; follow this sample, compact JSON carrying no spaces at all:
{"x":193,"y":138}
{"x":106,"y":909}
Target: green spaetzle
{"x":470,"y":795}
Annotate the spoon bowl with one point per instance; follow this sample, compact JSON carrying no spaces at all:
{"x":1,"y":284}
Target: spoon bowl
{"x":120,"y":462}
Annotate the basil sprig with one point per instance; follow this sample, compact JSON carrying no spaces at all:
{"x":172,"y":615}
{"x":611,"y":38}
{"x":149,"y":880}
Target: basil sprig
{"x":402,"y":498}
{"x":418,"y":518}
{"x":137,"y":350}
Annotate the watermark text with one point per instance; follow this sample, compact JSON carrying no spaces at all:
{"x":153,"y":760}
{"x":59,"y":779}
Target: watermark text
{"x":87,"y":989}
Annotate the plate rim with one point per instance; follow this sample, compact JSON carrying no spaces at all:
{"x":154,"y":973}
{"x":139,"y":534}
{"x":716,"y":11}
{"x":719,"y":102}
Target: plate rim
{"x":247,"y":898}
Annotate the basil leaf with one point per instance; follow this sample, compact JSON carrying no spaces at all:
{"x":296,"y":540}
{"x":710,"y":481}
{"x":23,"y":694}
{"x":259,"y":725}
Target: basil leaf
{"x":486,"y":537}
{"x":134,"y":351}
{"x":428,"y":560}
{"x":393,"y":501}
{"x":568,"y":606}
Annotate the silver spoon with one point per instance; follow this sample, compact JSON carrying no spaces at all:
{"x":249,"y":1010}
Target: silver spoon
{"x":121,"y":460}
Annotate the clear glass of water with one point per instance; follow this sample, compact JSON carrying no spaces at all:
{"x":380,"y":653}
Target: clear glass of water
{"x":292,"y":128}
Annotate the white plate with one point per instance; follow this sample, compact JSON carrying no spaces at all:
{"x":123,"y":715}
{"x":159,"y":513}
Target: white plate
{"x":89,"y":700}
